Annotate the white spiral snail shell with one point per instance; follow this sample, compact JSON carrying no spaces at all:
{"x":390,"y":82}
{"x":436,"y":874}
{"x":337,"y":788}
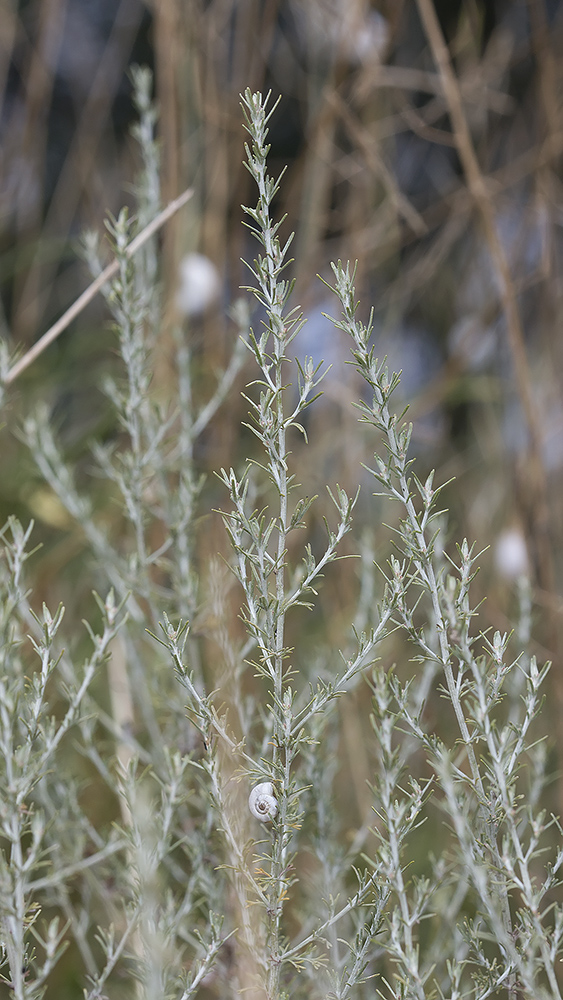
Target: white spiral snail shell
{"x":262,"y":802}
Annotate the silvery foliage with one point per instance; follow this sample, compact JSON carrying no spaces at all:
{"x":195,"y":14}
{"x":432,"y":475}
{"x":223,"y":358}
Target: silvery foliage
{"x":187,"y":891}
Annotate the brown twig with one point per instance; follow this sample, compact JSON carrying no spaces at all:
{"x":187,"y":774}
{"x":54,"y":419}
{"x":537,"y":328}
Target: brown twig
{"x":93,"y":289}
{"x":369,"y":148}
{"x":482,"y":198}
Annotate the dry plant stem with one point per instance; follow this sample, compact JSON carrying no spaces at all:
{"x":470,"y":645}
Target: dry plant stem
{"x":482,"y":197}
{"x":538,"y":505}
{"x":453,"y":205}
{"x":168,"y":64}
{"x":107,"y":274}
{"x":79,"y":164}
{"x":369,"y":148}
{"x":39,"y":91}
{"x":167,"y":16}
{"x":8,"y":33}
{"x":546,"y":68}
{"x":315,"y":197}
{"x":546,"y":63}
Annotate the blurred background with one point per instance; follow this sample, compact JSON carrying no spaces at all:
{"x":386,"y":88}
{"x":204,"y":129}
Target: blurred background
{"x":454,"y":217}
{"x":437,"y":168}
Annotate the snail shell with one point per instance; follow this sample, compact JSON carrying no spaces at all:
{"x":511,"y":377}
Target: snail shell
{"x":262,"y":802}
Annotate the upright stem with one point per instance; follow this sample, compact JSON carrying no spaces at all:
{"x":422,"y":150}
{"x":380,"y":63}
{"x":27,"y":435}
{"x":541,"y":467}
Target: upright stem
{"x":273,"y":294}
{"x":420,"y":552}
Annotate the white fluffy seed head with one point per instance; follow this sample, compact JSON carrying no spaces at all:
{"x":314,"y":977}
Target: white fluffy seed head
{"x":262,"y":802}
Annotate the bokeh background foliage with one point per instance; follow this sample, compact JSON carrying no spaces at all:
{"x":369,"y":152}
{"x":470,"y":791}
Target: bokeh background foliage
{"x":442,"y":178}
